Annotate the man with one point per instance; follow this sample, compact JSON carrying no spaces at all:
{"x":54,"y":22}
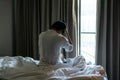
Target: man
{"x":52,"y":42}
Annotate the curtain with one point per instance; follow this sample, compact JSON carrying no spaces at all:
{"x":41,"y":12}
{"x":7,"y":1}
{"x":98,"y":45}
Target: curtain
{"x":108,"y":37}
{"x":31,"y":17}
{"x":26,"y":28}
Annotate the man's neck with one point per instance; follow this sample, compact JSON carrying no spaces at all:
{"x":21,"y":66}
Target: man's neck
{"x":58,"y":31}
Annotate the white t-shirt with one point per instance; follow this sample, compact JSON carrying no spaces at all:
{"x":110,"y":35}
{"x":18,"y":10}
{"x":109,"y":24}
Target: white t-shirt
{"x":50,"y":45}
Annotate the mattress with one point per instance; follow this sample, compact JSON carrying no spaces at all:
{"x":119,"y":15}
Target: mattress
{"x":26,"y":68}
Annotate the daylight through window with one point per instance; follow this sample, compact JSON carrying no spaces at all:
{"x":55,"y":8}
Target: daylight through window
{"x":87,"y":31}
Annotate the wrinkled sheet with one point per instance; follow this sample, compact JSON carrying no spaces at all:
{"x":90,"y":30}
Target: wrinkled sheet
{"x":26,"y":68}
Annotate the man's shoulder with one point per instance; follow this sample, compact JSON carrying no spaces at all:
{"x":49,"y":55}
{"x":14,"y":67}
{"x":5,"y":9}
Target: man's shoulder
{"x":41,"y":34}
{"x":62,"y":37}
{"x":44,"y":32}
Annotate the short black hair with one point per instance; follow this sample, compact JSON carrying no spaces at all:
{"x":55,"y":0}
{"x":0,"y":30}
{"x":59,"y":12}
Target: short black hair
{"x":58,"y":25}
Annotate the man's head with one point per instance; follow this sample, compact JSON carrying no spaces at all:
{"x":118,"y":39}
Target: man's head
{"x":58,"y":26}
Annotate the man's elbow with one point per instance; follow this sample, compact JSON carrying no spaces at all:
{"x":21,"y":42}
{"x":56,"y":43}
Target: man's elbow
{"x":70,"y":48}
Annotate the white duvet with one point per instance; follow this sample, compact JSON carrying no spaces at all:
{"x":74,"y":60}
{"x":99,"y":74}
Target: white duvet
{"x":26,"y":68}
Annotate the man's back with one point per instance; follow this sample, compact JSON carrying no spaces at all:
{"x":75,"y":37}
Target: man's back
{"x":50,"y":45}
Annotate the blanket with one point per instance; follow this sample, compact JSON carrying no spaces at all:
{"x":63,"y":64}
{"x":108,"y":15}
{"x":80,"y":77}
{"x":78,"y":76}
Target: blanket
{"x":26,"y":68}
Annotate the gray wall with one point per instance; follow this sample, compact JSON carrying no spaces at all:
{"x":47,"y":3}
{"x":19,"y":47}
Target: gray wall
{"x":5,"y":27}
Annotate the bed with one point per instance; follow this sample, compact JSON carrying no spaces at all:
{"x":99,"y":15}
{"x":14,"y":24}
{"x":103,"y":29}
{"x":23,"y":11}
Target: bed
{"x":27,"y":68}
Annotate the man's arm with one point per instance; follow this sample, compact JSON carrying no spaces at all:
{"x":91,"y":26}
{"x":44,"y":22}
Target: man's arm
{"x":68,"y":36}
{"x":70,"y":41}
{"x":67,"y":46}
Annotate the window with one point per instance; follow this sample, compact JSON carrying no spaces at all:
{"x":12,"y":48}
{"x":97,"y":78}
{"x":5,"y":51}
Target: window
{"x":87,"y":29}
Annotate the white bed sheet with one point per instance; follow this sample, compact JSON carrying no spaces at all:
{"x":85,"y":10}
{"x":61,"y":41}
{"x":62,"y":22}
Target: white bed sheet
{"x":26,"y":68}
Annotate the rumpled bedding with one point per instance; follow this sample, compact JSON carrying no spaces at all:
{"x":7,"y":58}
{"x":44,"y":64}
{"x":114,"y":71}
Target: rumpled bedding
{"x":26,"y":68}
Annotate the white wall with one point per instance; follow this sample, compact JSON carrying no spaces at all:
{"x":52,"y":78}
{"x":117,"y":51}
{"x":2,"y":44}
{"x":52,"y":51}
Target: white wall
{"x":5,"y":27}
